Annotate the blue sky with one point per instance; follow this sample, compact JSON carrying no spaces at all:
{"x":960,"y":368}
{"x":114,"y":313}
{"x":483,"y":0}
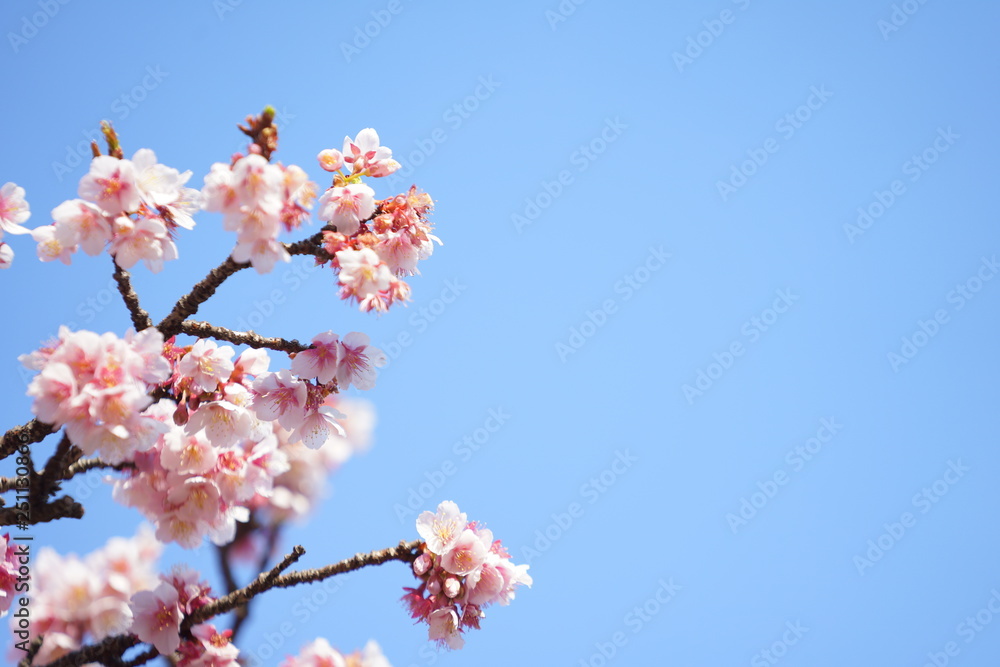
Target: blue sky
{"x":682,"y":245}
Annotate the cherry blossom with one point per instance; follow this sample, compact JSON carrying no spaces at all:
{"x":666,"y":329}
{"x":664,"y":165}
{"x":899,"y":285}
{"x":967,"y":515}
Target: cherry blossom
{"x":49,"y":247}
{"x":13,"y":210}
{"x":157,"y":618}
{"x":365,"y":154}
{"x":462,"y":570}
{"x":6,"y":256}
{"x":347,"y":206}
{"x":330,"y":159}
{"x":83,"y":223}
{"x":206,"y":365}
{"x":97,"y":386}
{"x":111,"y":184}
{"x":76,"y":598}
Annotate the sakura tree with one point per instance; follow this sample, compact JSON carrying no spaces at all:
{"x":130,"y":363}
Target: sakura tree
{"x":208,"y":443}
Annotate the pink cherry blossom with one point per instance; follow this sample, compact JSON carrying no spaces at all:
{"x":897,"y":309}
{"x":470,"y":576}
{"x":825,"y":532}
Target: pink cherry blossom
{"x":111,"y":185}
{"x":330,"y":159}
{"x":444,"y":628}
{"x":365,"y":153}
{"x":157,"y":618}
{"x":162,"y":189}
{"x":319,"y":361}
{"x":210,"y":648}
{"x":206,"y":365}
{"x":466,"y":555}
{"x":462,"y":570}
{"x":49,"y":247}
{"x":6,"y":256}
{"x":357,"y":361}
{"x":145,"y":240}
{"x":442,"y":530}
{"x":347,"y":206}
{"x":13,"y":210}
{"x":362,"y":274}
{"x":280,"y":396}
{"x":83,"y":223}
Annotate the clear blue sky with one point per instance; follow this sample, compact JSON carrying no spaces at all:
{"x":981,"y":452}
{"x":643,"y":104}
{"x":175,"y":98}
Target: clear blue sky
{"x":680,"y":186}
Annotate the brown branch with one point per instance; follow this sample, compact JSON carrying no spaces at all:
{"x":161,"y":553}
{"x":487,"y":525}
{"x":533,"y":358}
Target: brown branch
{"x":33,"y":648}
{"x":205,"y":330}
{"x":63,"y":507}
{"x":33,"y":431}
{"x":140,"y":318}
{"x":188,"y":304}
{"x":239,"y":597}
{"x":107,"y":651}
{"x":71,"y":471}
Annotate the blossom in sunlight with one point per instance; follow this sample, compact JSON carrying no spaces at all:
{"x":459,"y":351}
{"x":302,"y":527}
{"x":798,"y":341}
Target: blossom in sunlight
{"x":13,"y":210}
{"x":462,"y":570}
{"x":347,"y":206}
{"x":365,"y":154}
{"x":98,"y":387}
{"x":257,"y":200}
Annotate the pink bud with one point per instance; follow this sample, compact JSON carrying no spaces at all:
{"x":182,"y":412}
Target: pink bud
{"x":330,"y":159}
{"x":452,"y":587}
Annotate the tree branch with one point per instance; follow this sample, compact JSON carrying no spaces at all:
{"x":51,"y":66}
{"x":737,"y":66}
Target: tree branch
{"x":33,"y":431}
{"x":63,"y":507}
{"x":140,"y":318}
{"x":205,"y":330}
{"x":188,"y":304}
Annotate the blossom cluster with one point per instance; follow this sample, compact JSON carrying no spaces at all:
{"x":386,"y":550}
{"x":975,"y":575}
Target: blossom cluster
{"x":13,"y":211}
{"x":75,"y":599}
{"x":97,"y":386}
{"x":257,"y":200}
{"x":319,"y":653}
{"x":157,"y":614}
{"x":133,"y":207}
{"x":228,"y":438}
{"x":375,"y":242}
{"x":462,"y":571}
